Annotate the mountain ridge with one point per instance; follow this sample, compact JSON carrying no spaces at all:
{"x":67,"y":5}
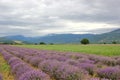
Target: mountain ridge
{"x":69,"y":38}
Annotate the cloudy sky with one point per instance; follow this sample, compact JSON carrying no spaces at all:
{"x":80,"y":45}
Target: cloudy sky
{"x":41,"y":17}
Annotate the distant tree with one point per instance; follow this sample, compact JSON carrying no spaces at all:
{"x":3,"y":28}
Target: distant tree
{"x":35,"y":43}
{"x":51,"y":43}
{"x":42,"y":43}
{"x":5,"y":43}
{"x":11,"y":43}
{"x":114,"y":42}
{"x":104,"y":42}
{"x":85,"y":41}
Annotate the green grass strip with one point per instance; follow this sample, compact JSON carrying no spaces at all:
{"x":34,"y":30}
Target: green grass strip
{"x":98,"y":49}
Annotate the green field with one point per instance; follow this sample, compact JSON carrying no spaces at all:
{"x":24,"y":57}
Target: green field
{"x":99,"y":49}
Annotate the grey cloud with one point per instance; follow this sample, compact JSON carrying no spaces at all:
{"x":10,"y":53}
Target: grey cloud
{"x":8,"y":30}
{"x":101,"y":30}
{"x":98,"y":11}
{"x":51,"y":14}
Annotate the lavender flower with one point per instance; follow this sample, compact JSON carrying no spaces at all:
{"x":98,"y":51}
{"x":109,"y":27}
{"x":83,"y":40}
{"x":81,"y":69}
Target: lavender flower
{"x":20,"y":68}
{"x":1,"y":77}
{"x":112,"y":73}
{"x":88,"y":67}
{"x":35,"y":61}
{"x":12,"y":60}
{"x":118,"y":61}
{"x":59,"y":65}
{"x":61,"y":70}
{"x":34,"y":75}
{"x":98,"y":79}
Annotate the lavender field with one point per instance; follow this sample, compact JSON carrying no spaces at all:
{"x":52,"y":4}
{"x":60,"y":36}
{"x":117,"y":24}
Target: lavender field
{"x":32,"y":64}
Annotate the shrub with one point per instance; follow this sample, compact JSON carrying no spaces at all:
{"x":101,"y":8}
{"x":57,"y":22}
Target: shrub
{"x":114,"y":42}
{"x":20,"y":69}
{"x":42,"y":43}
{"x":112,"y":73}
{"x":98,"y":79}
{"x":13,"y":60}
{"x":1,"y":77}
{"x":108,"y":61}
{"x":34,"y":75}
{"x":88,"y":67}
{"x":118,"y":61}
{"x":61,"y":70}
{"x":35,"y":61}
{"x":84,"y":41}
{"x":51,"y":43}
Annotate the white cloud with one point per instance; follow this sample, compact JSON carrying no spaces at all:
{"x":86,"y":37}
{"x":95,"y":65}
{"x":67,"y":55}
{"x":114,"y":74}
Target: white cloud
{"x":79,"y":28}
{"x":40,"y":17}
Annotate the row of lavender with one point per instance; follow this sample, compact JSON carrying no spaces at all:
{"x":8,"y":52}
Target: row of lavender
{"x":21,"y":70}
{"x":1,"y":77}
{"x":70,"y":66}
{"x":57,"y":70}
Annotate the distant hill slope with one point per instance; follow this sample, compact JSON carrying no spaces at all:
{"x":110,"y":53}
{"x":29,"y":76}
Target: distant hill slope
{"x":65,"y":38}
{"x":7,"y":40}
{"x":109,"y":37}
{"x":4,"y":40}
{"x":69,"y":38}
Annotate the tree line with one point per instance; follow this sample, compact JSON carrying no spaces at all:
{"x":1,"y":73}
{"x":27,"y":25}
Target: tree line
{"x":84,"y":41}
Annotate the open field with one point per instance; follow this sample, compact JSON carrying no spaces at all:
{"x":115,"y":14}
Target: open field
{"x":98,"y":49}
{"x":33,"y":64}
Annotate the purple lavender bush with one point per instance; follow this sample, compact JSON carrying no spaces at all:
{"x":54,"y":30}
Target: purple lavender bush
{"x":35,"y":61}
{"x":1,"y":77}
{"x":118,"y":61}
{"x":85,"y":60}
{"x":60,"y":65}
{"x":68,"y":72}
{"x":72,"y":62}
{"x":12,"y":60}
{"x":94,"y":79}
{"x":61,"y":70}
{"x":108,"y":61}
{"x":112,"y":73}
{"x":59,"y":58}
{"x":88,"y":67}
{"x":98,"y":79}
{"x":20,"y":69}
{"x":27,"y":58}
{"x":34,"y":75}
{"x":6,"y":55}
